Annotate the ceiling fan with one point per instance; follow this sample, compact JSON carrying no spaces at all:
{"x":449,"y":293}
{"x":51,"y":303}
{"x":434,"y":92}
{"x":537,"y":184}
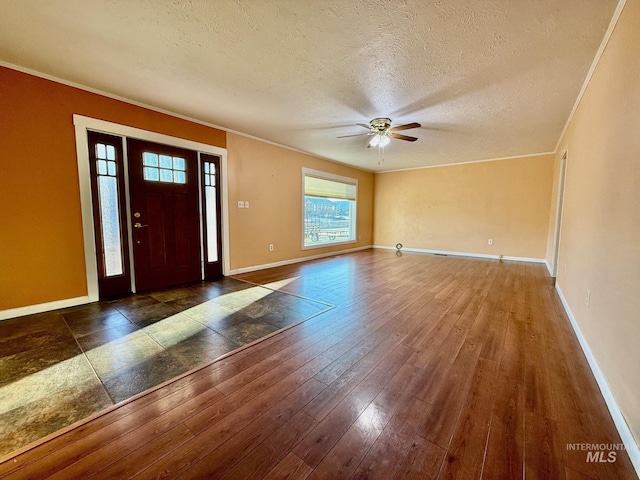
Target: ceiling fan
{"x":382,"y":132}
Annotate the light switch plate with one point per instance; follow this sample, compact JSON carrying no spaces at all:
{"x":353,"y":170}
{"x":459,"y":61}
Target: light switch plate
{"x":240,"y":204}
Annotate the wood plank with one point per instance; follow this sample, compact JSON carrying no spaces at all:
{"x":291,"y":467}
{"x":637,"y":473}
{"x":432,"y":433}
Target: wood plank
{"x":265,"y":366}
{"x":432,"y":343}
{"x":392,"y":446}
{"x":274,"y":448}
{"x":543,"y":451}
{"x":571,"y":474}
{"x":440,"y":362}
{"x":422,"y":463}
{"x":290,"y":468}
{"x":115,"y":451}
{"x":512,"y":359}
{"x":132,"y":458}
{"x":353,"y":353}
{"x":465,"y":453}
{"x":504,"y":458}
{"x":345,"y":456}
{"x":439,"y":425}
{"x":314,"y":446}
{"x":350,"y":379}
{"x":538,"y":390}
{"x":234,"y":450}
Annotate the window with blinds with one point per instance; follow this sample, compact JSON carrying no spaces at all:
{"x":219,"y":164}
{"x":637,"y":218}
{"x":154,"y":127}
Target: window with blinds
{"x":329,"y":209}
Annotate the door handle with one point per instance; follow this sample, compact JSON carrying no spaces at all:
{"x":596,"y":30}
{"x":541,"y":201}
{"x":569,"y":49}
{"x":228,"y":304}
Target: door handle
{"x":139,"y":225}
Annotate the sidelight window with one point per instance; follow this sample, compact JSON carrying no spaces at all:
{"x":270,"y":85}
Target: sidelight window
{"x":107,"y":170}
{"x":211,"y":209}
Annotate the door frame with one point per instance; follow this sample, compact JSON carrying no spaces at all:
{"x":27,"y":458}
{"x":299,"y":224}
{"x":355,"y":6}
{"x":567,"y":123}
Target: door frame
{"x":82,"y":125}
{"x":562,"y":177}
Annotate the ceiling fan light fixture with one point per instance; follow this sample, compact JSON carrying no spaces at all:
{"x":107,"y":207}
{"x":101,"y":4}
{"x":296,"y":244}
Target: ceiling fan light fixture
{"x":381,"y":132}
{"x":380,"y":139}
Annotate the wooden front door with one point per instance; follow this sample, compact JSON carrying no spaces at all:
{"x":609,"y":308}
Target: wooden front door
{"x":164,"y":214}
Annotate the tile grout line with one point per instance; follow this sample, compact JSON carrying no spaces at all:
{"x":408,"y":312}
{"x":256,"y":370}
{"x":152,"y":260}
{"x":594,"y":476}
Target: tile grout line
{"x":86,"y":357}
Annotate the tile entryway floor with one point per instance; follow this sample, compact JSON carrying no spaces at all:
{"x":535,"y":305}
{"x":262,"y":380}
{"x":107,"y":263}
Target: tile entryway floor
{"x":59,"y":367}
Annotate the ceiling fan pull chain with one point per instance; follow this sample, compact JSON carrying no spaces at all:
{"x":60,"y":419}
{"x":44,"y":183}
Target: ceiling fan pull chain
{"x":380,"y":157}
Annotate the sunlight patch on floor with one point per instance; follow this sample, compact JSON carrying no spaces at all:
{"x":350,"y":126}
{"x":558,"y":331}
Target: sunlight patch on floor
{"x":280,"y":283}
{"x":39,"y":385}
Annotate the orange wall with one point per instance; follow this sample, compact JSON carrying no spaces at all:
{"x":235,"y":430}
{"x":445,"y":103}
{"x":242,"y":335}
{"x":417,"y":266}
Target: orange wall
{"x":457,"y":208}
{"x":41,"y":245}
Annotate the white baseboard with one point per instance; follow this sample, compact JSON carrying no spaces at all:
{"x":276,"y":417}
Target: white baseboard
{"x":629,"y":441}
{"x":548,"y":268}
{"x":43,"y":307}
{"x":464,"y":254}
{"x":255,"y":268}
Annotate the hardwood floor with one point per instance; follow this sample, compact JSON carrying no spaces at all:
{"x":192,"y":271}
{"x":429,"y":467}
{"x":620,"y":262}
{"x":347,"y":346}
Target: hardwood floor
{"x":428,"y":367}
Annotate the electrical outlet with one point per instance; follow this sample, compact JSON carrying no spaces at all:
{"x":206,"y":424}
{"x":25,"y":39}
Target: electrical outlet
{"x":588,"y":298}
{"x":271,"y":247}
{"x":240,"y":204}
{"x":490,"y":241}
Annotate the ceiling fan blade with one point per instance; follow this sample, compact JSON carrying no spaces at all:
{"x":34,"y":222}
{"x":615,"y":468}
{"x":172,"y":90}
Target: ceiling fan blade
{"x":356,"y":135}
{"x":403,"y":137}
{"x":368,"y":127}
{"x":405,"y":127}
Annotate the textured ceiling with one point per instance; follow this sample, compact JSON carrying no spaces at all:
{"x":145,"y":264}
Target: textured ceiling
{"x":486,"y":79}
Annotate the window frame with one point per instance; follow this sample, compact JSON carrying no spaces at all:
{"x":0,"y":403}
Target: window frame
{"x":308,"y":172}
